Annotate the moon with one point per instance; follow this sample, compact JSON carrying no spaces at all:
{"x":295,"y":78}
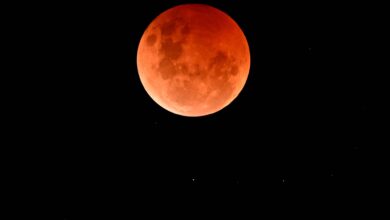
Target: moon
{"x":193,"y":60}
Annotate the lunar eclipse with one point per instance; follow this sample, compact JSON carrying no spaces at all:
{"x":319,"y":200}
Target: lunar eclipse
{"x":193,"y":60}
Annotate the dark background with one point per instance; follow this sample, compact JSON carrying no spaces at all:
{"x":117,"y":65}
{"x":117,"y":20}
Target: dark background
{"x":294,"y":142}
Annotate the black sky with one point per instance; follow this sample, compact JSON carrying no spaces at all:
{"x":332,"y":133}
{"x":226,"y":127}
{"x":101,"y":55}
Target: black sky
{"x":294,"y":139}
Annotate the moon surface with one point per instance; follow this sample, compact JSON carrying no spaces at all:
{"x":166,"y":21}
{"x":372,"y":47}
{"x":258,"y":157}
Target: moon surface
{"x":193,"y":60}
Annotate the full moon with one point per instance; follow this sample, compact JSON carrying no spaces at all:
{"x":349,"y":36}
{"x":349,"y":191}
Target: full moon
{"x":193,"y":60}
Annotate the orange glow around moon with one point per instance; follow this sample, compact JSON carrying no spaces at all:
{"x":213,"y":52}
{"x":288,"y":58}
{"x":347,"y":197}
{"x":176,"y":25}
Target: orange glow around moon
{"x":193,"y":60}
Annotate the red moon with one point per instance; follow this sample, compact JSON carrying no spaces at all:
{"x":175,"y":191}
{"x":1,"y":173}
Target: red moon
{"x":193,"y":60}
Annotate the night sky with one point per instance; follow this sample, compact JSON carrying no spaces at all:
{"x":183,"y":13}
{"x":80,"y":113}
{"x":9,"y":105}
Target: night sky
{"x":293,"y":142}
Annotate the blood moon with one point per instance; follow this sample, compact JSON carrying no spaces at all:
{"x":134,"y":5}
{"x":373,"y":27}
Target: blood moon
{"x":193,"y":60}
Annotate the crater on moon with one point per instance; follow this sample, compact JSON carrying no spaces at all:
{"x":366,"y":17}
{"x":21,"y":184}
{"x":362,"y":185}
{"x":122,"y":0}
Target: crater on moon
{"x":151,"y":39}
